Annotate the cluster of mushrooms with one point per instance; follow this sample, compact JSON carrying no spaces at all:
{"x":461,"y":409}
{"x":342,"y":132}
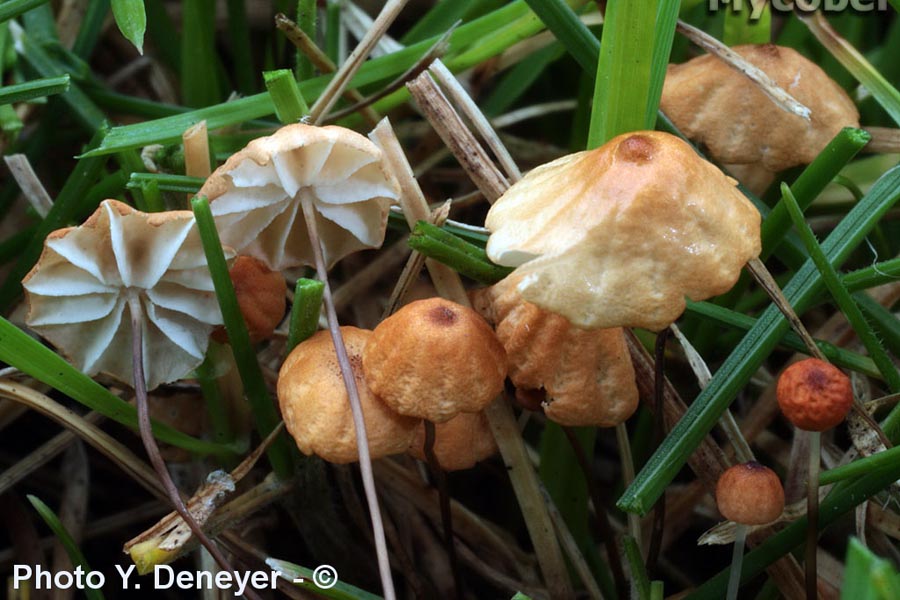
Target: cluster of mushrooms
{"x":600,"y":240}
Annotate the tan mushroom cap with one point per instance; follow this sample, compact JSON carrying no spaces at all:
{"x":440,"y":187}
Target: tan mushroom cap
{"x":620,"y":235}
{"x":78,"y":293}
{"x":750,"y":494}
{"x":459,"y":443}
{"x":585,"y":376}
{"x":255,"y":196}
{"x":433,"y":359}
{"x":722,"y":109}
{"x":316,"y":409}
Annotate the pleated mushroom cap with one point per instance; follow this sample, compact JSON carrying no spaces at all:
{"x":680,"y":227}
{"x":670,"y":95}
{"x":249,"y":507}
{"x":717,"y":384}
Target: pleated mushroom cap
{"x":79,"y":291}
{"x":459,"y":443}
{"x":584,"y":375}
{"x":316,"y":409}
{"x":256,"y":195}
{"x":620,"y":235}
{"x":716,"y":106}
{"x":433,"y":359}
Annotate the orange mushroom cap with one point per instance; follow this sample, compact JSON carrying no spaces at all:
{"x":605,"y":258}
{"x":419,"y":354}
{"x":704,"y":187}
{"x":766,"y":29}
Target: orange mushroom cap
{"x":814,"y":395}
{"x":459,"y":443}
{"x":260,"y":294}
{"x":316,"y":410}
{"x":433,"y":359}
{"x":750,"y":494}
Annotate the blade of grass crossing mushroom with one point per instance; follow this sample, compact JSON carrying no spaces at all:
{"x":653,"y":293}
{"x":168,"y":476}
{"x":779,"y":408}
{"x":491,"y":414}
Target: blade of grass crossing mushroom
{"x":734,"y":60}
{"x":248,"y":367}
{"x":159,"y":465}
{"x":737,"y":369}
{"x":359,"y":425}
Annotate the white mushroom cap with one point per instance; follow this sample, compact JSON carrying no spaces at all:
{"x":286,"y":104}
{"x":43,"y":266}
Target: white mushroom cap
{"x":255,"y":196}
{"x":622,"y":234}
{"x":78,"y":291}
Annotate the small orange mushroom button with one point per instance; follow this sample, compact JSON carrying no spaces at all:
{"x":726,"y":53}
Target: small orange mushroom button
{"x":260,"y":294}
{"x":750,"y":494}
{"x":814,"y":395}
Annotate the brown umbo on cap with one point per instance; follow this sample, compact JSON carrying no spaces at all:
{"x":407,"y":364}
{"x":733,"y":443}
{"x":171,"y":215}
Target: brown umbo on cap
{"x":585,"y":375}
{"x":722,"y":109}
{"x":750,"y":494}
{"x":459,"y":443}
{"x":316,"y":409}
{"x":620,"y":235}
{"x":433,"y":359}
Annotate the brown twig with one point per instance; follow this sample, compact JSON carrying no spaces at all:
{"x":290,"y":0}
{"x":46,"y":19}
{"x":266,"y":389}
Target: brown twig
{"x":440,"y":480}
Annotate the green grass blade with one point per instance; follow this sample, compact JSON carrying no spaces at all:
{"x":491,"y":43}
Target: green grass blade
{"x":638,"y":570}
{"x":13,"y":8}
{"x":633,"y":56}
{"x":749,"y":354}
{"x":834,"y":157}
{"x":306,"y":20}
{"x":290,"y":106}
{"x":183,"y":184}
{"x":91,"y":28}
{"x":244,"y":355}
{"x":23,"y":352}
{"x":241,"y":51}
{"x":305,"y":311}
{"x":437,"y":20}
{"x":860,"y":466}
{"x":200,"y":85}
{"x":866,"y":576}
{"x":569,"y":30}
{"x":840,"y":294}
{"x":305,"y":578}
{"x":34,"y":89}
{"x":887,"y":325}
{"x":166,"y":37}
{"x":65,"y":538}
{"x":461,"y":256}
{"x":132,"y":20}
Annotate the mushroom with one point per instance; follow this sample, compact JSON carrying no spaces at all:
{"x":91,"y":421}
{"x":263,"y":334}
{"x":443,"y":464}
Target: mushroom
{"x":815,"y":396}
{"x":619,"y":235}
{"x":748,"y":494}
{"x":261,"y":295}
{"x":154,"y":265}
{"x":257,"y":195}
{"x":458,"y":443}
{"x":580,"y":377}
{"x":314,"y":403}
{"x":78,"y":291}
{"x":433,"y":359}
{"x":722,"y":109}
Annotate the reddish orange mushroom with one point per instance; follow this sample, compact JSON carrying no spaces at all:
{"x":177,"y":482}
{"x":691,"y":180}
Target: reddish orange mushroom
{"x":750,"y":494}
{"x":814,"y":395}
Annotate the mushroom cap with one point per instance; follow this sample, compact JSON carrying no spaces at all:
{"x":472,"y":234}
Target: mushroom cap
{"x":316,"y":409}
{"x":586,"y":374}
{"x":750,"y":494}
{"x":459,"y":443}
{"x":255,"y":196}
{"x":78,"y":292}
{"x":619,"y":235}
{"x":261,"y":295}
{"x":814,"y":395}
{"x":433,"y":359}
{"x":715,"y":105}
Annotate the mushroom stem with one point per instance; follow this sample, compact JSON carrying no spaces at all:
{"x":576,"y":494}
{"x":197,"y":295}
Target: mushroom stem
{"x":659,"y":432}
{"x":440,"y":480}
{"x":146,"y":431}
{"x":365,"y":460}
{"x":737,"y":560}
{"x":812,"y":514}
